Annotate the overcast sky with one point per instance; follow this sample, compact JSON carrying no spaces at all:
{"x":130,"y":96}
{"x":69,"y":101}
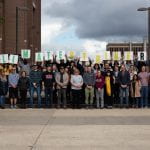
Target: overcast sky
{"x":90,"y":24}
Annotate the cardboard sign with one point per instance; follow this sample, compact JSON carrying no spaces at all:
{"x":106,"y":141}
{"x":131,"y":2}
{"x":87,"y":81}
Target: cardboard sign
{"x":128,"y":55}
{"x":4,"y":59}
{"x":116,"y":56}
{"x":142,"y":56}
{"x":48,"y":55}
{"x":61,"y":55}
{"x":98,"y":59}
{"x":39,"y":57}
{"x":71,"y":54}
{"x":13,"y":59}
{"x":105,"y":55}
{"x":83,"y":56}
{"x":26,"y":53}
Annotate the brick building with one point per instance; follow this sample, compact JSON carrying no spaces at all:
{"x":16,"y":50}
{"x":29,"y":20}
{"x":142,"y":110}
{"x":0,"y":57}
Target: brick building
{"x":21,"y":33}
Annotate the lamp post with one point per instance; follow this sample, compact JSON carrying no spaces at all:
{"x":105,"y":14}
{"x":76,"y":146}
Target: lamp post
{"x":17,"y":23}
{"x":148,"y":49}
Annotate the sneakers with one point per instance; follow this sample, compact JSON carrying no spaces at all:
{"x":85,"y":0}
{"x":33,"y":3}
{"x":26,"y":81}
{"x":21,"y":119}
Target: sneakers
{"x":15,"y":106}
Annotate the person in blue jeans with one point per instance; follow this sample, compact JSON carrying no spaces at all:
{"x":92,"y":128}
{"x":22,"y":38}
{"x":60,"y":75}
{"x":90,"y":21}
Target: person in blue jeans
{"x":35,"y":85}
{"x":3,"y":89}
{"x":124,"y":81}
{"x":144,"y":78}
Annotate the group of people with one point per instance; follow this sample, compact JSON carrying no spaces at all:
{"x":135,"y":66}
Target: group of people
{"x":74,"y":84}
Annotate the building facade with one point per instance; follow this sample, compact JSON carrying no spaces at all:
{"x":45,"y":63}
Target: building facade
{"x":20,"y":26}
{"x":122,"y":47}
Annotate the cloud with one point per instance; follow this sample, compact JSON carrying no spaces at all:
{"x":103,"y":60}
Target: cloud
{"x":100,"y":19}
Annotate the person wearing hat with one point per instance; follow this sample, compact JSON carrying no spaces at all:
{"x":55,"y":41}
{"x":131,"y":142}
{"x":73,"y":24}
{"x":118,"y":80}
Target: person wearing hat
{"x":48,"y":83}
{"x":62,"y":79}
{"x":35,"y":84}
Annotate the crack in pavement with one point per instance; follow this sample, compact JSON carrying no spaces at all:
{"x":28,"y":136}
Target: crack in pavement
{"x":51,"y":118}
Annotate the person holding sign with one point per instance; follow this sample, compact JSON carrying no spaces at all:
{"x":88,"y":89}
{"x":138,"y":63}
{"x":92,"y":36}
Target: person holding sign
{"x":13,"y":79}
{"x":35,"y":85}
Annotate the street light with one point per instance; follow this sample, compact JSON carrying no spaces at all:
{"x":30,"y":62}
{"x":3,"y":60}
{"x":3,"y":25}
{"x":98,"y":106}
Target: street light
{"x":148,"y":49}
{"x":17,"y":13}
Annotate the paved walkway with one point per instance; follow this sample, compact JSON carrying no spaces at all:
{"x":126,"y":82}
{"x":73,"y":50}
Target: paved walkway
{"x":44,"y":129}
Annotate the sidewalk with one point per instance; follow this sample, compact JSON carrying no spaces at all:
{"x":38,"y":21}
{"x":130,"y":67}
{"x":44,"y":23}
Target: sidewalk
{"x":45,"y":129}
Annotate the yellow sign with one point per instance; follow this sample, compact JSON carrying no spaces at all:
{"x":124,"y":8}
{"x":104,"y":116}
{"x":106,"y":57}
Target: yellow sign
{"x":116,"y":55}
{"x":84,"y":56}
{"x":128,"y":55}
{"x":71,"y":54}
{"x":97,"y":59}
{"x":106,"y":55}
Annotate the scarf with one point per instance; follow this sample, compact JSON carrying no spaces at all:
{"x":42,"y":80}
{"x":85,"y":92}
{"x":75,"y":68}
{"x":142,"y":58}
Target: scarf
{"x":108,"y":86}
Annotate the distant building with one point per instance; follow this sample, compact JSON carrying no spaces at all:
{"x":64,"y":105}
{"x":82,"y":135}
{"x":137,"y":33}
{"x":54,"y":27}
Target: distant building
{"x":122,"y":47}
{"x":29,"y":26}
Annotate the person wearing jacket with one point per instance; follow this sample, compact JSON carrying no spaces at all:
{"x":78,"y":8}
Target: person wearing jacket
{"x":89,"y":81}
{"x":99,"y":86}
{"x":135,"y":90}
{"x":62,"y":79}
{"x":3,"y":89}
{"x":124,"y":81}
{"x":35,"y":84}
{"x":48,"y":83}
{"x":23,"y":85}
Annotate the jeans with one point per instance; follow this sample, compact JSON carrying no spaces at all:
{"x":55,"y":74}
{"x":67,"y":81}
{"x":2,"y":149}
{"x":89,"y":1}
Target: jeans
{"x":100,"y":97}
{"x":144,"y":96}
{"x":89,"y":92}
{"x":2,"y":100}
{"x":49,"y":96}
{"x":124,"y":93}
{"x":38,"y":90}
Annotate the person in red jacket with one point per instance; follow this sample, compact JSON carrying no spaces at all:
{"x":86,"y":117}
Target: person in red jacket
{"x":99,"y":85}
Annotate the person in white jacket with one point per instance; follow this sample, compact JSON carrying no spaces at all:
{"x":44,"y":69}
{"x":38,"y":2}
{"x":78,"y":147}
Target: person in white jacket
{"x":76,"y":87}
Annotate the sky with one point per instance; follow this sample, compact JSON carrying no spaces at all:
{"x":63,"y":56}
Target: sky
{"x":88,"y":25}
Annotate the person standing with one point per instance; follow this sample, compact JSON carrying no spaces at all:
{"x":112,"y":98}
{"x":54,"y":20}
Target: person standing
{"x":124,"y":81}
{"x":89,"y":81}
{"x":99,"y":86}
{"x":35,"y":85}
{"x":48,"y":83}
{"x":116,"y":84}
{"x":13,"y":79}
{"x":62,"y":80}
{"x":144,"y":78}
{"x":23,"y":85}
{"x":109,"y":82}
{"x":135,"y":90}
{"x":76,"y":87}
{"x":3,"y":89}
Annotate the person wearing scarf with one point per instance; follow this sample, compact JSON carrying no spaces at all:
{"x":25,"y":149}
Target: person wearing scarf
{"x":109,"y":89}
